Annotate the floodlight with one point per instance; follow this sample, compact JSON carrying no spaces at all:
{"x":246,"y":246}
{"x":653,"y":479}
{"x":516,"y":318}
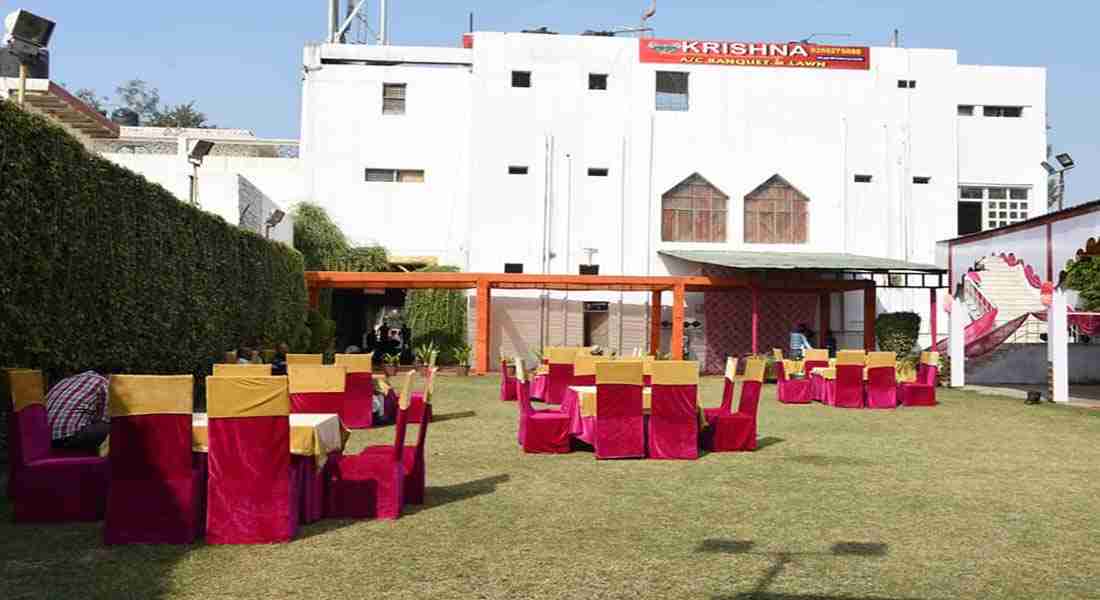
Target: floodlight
{"x":200,"y":150}
{"x":28,"y":33}
{"x":275,"y":218}
{"x":1065,"y":160}
{"x":1049,"y":169}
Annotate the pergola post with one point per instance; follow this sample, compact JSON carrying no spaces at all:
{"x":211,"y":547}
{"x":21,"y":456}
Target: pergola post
{"x":1057,"y":348}
{"x":869,"y":313}
{"x":825,"y":309}
{"x":484,"y":311}
{"x":933,"y":316}
{"x":755,"y":319}
{"x":655,"y":323}
{"x":676,"y":344}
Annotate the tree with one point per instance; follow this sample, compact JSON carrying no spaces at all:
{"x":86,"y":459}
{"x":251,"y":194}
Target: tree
{"x":318,"y":239}
{"x":140,"y":98}
{"x":181,"y":115}
{"x":1083,"y":275}
{"x":94,"y":100}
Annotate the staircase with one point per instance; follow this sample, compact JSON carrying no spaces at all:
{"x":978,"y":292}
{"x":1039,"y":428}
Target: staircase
{"x":1007,"y":288}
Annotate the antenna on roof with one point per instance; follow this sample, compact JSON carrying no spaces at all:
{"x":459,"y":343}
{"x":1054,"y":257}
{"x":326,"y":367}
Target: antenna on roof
{"x":895,"y":41}
{"x":807,"y":39}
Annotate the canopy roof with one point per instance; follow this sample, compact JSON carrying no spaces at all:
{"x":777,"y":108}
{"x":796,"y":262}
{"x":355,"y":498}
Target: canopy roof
{"x":802,"y":261}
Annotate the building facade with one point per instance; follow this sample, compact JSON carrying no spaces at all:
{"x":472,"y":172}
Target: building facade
{"x":556,"y":151}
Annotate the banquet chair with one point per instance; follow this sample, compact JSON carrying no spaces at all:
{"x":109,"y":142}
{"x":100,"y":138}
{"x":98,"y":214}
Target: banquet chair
{"x":729,"y":384}
{"x":539,"y":431}
{"x":735,"y":432}
{"x":845,"y":390}
{"x":317,"y":389}
{"x":358,"y":405}
{"x":814,"y":358}
{"x":584,"y":370}
{"x":790,"y":391}
{"x":507,"y":382}
{"x":882,"y":384}
{"x":922,"y":392}
{"x":248,"y":370}
{"x":620,"y":424}
{"x":371,"y":484}
{"x":49,"y":487}
{"x":156,"y":492}
{"x":413,"y":458}
{"x":674,"y":412}
{"x":520,"y":382}
{"x":305,"y":359}
{"x":560,"y":373}
{"x":252,"y":493}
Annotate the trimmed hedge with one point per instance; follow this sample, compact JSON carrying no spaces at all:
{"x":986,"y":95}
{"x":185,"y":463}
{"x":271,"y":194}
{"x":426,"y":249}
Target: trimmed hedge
{"x":897,"y":332}
{"x":101,"y":269}
{"x":437,"y":316}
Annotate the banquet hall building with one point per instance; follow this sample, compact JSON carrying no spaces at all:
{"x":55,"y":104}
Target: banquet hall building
{"x":562,"y":154}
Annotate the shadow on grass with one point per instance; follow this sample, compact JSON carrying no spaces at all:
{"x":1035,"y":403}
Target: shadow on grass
{"x":771,"y":440}
{"x":452,"y":416}
{"x":437,"y":496}
{"x":777,"y":596}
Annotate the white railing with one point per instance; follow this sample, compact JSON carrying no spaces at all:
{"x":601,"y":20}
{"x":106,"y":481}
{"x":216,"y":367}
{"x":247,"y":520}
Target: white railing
{"x":976,"y":301}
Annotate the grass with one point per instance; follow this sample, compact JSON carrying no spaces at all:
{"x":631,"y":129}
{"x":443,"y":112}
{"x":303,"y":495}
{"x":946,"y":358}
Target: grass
{"x":981,"y":497}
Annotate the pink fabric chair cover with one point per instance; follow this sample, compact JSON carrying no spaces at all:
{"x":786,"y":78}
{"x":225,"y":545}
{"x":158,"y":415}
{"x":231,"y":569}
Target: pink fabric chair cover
{"x":847,"y":388}
{"x":922,"y":392}
{"x":307,"y":396}
{"x":358,"y":402}
{"x":50,"y":488}
{"x":737,"y":431}
{"x":791,"y":391}
{"x":558,"y":380}
{"x":318,"y":402}
{"x":416,"y":403}
{"x":810,"y":365}
{"x":311,"y":482}
{"x":537,"y":385}
{"x":507,"y":383}
{"x":728,"y":386}
{"x":156,"y":486}
{"x":542,"y":431}
{"x":252,"y":491}
{"x":620,"y":425}
{"x":882,"y":385}
{"x":674,"y":416}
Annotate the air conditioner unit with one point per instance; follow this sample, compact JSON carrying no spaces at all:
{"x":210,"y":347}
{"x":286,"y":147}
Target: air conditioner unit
{"x":590,"y":269}
{"x":513,"y":267}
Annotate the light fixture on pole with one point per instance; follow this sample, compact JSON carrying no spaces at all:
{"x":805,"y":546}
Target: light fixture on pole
{"x":273,"y":220}
{"x":1057,"y":195}
{"x":195,"y":156}
{"x":27,"y":36}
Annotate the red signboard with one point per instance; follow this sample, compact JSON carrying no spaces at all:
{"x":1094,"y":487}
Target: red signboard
{"x":754,"y":54}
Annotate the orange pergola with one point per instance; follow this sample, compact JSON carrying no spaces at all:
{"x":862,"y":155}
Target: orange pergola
{"x":485,"y":283}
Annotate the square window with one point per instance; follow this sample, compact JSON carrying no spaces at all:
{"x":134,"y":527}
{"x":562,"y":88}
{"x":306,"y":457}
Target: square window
{"x":863,"y":179}
{"x":922,"y":180}
{"x":912,"y":84}
{"x":1002,"y":215}
{"x":597,"y":172}
{"x":1018,"y":193}
{"x":521,"y":79}
{"x":966,"y":110}
{"x":410,"y":176}
{"x":517,"y":170}
{"x":1002,"y":205}
{"x":1012,"y":204}
{"x":597,"y":81}
{"x":1023,"y":205}
{"x":903,"y":84}
{"x":381,"y":175}
{"x":1013,"y":215}
{"x":970,"y":193}
{"x":998,"y":193}
{"x":393,"y":98}
{"x":672,"y":91}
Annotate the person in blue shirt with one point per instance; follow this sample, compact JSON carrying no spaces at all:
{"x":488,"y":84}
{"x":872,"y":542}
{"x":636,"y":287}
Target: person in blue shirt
{"x":799,"y":341}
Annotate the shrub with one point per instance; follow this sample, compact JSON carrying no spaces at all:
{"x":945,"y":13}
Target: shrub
{"x":439,"y":317}
{"x":102,"y":269}
{"x":1083,"y":275}
{"x":897,"y":332}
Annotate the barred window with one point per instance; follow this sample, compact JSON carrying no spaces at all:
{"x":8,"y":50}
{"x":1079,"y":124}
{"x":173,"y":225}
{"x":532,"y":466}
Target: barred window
{"x":776,"y":213}
{"x":393,"y":98}
{"x":694,"y":211}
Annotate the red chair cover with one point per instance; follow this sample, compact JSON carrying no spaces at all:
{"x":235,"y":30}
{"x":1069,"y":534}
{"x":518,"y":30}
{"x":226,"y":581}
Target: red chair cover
{"x":156,"y":488}
{"x":923,"y":391}
{"x":882,"y":387}
{"x":791,"y":391}
{"x":674,"y":414}
{"x":620,"y":425}
{"x":728,"y":386}
{"x":252,"y":491}
{"x":50,"y":488}
{"x":737,"y":432}
{"x":559,"y":379}
{"x":317,"y":389}
{"x":357,"y":410}
{"x":847,"y":388}
{"x":371,"y":484}
{"x":542,"y":431}
{"x":507,"y":383}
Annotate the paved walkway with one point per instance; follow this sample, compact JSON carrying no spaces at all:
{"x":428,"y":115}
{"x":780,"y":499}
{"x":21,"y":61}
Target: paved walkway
{"x":1085,"y":396}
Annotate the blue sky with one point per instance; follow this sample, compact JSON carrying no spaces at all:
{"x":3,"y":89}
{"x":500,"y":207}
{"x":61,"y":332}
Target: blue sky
{"x":240,"y":60}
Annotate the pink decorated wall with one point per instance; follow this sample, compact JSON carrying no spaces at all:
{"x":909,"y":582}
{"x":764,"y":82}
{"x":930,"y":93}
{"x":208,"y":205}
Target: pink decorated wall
{"x":729,"y":323}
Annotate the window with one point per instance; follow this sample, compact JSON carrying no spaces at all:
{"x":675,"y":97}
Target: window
{"x":912,"y":84}
{"x":521,"y":79}
{"x":907,"y":84}
{"x":994,"y":206}
{"x":393,"y":98}
{"x":966,"y":110}
{"x":694,"y":211}
{"x":517,"y":170}
{"x":395,"y":175}
{"x":776,"y":213}
{"x":863,"y":179}
{"x":597,"y":81}
{"x":922,"y":180}
{"x":1011,"y":112}
{"x":672,"y":91}
{"x":597,"y":172}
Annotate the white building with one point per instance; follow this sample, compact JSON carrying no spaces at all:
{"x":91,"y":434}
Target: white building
{"x":528,"y":148}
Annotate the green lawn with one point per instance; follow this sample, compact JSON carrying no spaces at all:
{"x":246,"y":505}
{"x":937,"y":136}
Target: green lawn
{"x":981,"y":497}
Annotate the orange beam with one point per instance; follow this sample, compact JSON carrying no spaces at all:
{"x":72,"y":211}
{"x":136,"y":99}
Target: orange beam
{"x":676,"y":344}
{"x":484,"y":311}
{"x":379,"y":280}
{"x":869,"y":313}
{"x":655,"y":323}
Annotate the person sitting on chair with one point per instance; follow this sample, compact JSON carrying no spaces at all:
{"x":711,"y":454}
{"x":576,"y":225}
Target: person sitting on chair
{"x":76,"y":412}
{"x":278,"y":364}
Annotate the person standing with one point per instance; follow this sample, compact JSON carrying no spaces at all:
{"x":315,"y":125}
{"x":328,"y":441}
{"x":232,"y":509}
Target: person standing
{"x":278,"y":364}
{"x":799,"y":341}
{"x":76,"y":409}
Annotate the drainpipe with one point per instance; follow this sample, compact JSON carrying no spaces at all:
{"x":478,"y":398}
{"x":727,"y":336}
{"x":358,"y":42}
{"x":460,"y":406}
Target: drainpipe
{"x":568,"y":241}
{"x":622,"y":236}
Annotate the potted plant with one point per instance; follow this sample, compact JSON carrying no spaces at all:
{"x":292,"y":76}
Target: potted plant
{"x":462,"y":355}
{"x":425,"y":357}
{"x":389,"y":364}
